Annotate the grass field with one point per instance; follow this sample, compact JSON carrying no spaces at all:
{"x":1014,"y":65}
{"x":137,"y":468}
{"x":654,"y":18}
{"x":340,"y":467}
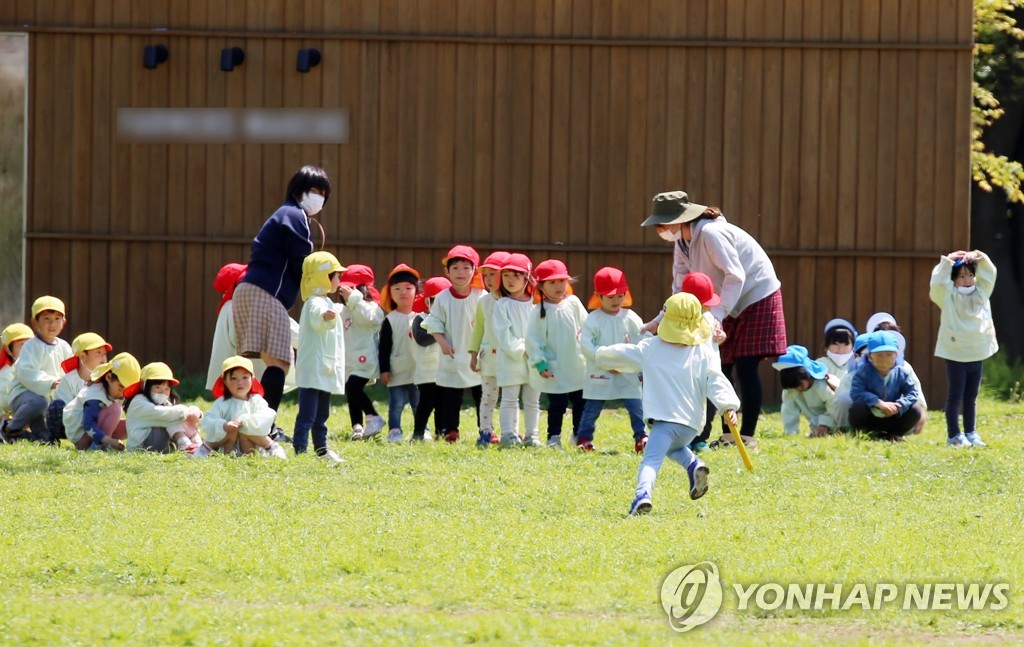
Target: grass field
{"x":449,"y":544}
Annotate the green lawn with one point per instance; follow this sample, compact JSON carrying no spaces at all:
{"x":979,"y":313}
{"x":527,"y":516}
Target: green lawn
{"x":435,"y":543}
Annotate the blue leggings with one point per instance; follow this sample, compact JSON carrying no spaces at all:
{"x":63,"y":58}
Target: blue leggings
{"x":964,"y":380}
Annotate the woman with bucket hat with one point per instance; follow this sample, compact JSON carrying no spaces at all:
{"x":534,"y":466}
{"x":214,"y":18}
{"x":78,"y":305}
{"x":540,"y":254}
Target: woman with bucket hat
{"x":743,"y":275}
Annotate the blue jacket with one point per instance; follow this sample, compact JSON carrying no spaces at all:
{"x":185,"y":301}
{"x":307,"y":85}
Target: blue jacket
{"x":278,"y":251}
{"x":870,"y":387}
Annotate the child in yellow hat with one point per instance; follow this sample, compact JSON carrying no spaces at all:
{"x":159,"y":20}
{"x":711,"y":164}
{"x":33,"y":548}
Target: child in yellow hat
{"x":240,"y":420}
{"x":14,"y":337}
{"x":92,"y":420}
{"x":90,"y":351}
{"x":37,"y":373}
{"x":155,"y":420}
{"x":680,"y":374}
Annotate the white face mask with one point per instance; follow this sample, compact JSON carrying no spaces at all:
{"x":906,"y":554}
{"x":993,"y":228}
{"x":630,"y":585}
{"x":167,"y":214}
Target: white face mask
{"x":159,"y":398}
{"x":966,"y":289}
{"x":670,"y":236}
{"x":839,"y":358}
{"x":312,"y":203}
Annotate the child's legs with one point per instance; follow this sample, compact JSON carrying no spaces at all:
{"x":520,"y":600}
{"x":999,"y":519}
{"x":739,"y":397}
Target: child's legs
{"x":488,"y":401}
{"x":508,"y":412}
{"x":358,"y":402}
{"x":309,"y":403}
{"x":861,"y":417}
{"x":902,"y":425}
{"x":635,"y":407}
{"x":183,"y":429}
{"x":323,"y":411}
{"x":557,"y":404}
{"x":956,"y":381}
{"x":248,"y":443}
{"x":427,"y":404}
{"x":531,"y":411}
{"x":971,"y":387}
{"x":398,"y":397}
{"x":475,"y":392}
{"x":667,"y":439}
{"x":588,"y":422}
{"x":158,"y":440}
{"x":841,"y":409}
{"x":577,"y":403}
{"x":449,"y":403}
{"x":705,"y":433}
{"x":110,"y":421}
{"x":29,"y":411}
{"x":55,"y":420}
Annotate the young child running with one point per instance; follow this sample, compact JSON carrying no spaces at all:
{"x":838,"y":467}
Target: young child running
{"x":37,"y":373}
{"x":320,"y":362}
{"x":511,"y":319}
{"x":961,"y":287}
{"x":428,"y":358}
{"x":611,"y":322}
{"x":90,"y":351}
{"x":13,"y":339}
{"x":807,"y":389}
{"x":451,"y":322}
{"x":361,"y":319}
{"x":92,"y":418}
{"x":155,"y":420}
{"x":482,"y":351}
{"x":240,"y":419}
{"x":680,"y":374}
{"x":397,"y":350}
{"x":553,"y":346}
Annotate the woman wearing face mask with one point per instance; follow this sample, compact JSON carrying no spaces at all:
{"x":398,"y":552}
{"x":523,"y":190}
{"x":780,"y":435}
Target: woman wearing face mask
{"x":961,"y":286}
{"x":744,"y":277}
{"x":271,"y":283}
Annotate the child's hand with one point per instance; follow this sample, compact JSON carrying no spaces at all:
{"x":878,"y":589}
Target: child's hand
{"x":888,"y":408}
{"x":330,"y":315}
{"x":651,"y":327}
{"x":232,"y":426}
{"x":385,"y":377}
{"x":113,"y":443}
{"x":546,"y":374}
{"x":344,"y":291}
{"x":731,"y":417}
{"x":473,"y":364}
{"x":446,"y":347}
{"x":55,"y":384}
{"x":717,"y":334}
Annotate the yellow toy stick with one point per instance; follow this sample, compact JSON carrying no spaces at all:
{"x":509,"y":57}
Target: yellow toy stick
{"x":739,"y":443}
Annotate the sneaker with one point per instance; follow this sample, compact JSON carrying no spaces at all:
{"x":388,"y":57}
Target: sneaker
{"x":585,"y":445}
{"x":203,"y":451}
{"x":533,"y":441}
{"x":331,"y":458}
{"x":698,"y":446}
{"x":958,"y":441}
{"x":374,"y":425}
{"x":451,"y":437}
{"x":357,"y":432}
{"x":3,"y":433}
{"x":640,"y":445}
{"x":511,"y":440}
{"x":495,"y":439}
{"x":417,"y":438}
{"x":277,"y":434}
{"x":698,"y":473}
{"x":485,"y":439}
{"x":555,"y":442}
{"x":975,"y":439}
{"x":641,"y":505}
{"x":276,"y":451}
{"x":395,"y":436}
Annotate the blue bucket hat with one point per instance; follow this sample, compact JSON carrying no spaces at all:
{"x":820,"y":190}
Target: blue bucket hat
{"x":883,"y":341}
{"x":840,"y":323}
{"x":797,"y":357}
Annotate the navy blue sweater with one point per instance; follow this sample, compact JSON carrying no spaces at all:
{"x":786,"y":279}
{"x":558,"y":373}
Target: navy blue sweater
{"x":278,"y":251}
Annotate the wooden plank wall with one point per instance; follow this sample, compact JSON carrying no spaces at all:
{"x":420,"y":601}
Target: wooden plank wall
{"x":836,"y":133}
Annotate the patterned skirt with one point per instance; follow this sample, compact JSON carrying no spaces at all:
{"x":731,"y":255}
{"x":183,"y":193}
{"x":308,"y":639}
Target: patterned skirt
{"x":262,"y":324}
{"x":759,"y":331}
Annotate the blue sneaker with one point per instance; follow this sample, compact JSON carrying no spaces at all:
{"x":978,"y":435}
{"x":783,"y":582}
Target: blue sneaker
{"x":484,"y":440}
{"x":641,"y":505}
{"x":958,"y":441}
{"x":975,"y":439}
{"x":698,"y":446}
{"x":698,"y":473}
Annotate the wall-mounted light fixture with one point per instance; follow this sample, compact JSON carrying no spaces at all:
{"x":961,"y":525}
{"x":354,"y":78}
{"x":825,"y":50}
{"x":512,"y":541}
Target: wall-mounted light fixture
{"x":230,"y":58}
{"x":308,"y":59}
{"x":154,"y":55}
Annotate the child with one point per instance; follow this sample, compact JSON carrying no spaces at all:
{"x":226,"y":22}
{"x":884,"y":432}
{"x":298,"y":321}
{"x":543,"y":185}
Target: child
{"x":807,"y":388}
{"x":482,"y":352}
{"x":361,"y":319}
{"x":680,"y":375}
{"x":37,"y":373}
{"x":155,"y":420}
{"x":961,"y":286}
{"x":397,"y":348}
{"x":240,"y":419}
{"x":839,"y":337}
{"x":92,"y":419}
{"x":884,"y":397}
{"x":320,"y":363}
{"x":427,"y":358}
{"x":839,"y":406}
{"x":611,"y":322}
{"x":90,"y":351}
{"x":700,"y":285}
{"x":511,"y":319}
{"x":885,"y":321}
{"x":13,"y":338}
{"x":553,"y":346}
{"x":451,"y":322}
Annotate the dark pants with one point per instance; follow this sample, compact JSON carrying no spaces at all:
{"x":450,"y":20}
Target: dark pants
{"x":557,"y":404}
{"x":358,"y":402}
{"x":964,"y":380}
{"x":449,"y":406}
{"x":899,"y":425}
{"x":29,"y":419}
{"x":55,"y":421}
{"x":705,"y":433}
{"x":426,"y":406}
{"x":749,"y":391}
{"x":314,"y":409}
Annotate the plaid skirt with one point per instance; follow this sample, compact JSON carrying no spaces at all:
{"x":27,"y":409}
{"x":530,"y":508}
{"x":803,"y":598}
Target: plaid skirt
{"x":759,"y":331}
{"x":262,"y":324}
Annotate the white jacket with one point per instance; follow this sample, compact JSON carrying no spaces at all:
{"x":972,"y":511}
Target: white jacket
{"x":454,"y":318}
{"x":6,"y":377}
{"x":38,"y":367}
{"x":602,"y":329}
{"x":255,"y":415}
{"x":361,"y":319}
{"x":143,"y":416}
{"x":966,"y":330}
{"x":320,"y":362}
{"x":403,"y":353}
{"x":511,"y":320}
{"x":487,"y":357}
{"x":74,"y":425}
{"x":69,"y":387}
{"x":812,"y":403}
{"x":555,"y":339}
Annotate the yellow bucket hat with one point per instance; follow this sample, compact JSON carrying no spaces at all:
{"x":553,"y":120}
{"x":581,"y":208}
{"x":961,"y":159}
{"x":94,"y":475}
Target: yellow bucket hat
{"x":16,"y":332}
{"x":316,"y":270}
{"x":158,"y":371}
{"x":684,"y":322}
{"x":47,"y":303}
{"x":124,"y":366}
{"x":234,"y":362}
{"x":89,"y":341}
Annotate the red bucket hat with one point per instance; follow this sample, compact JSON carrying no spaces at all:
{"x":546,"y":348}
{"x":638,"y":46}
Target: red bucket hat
{"x":431,"y":288}
{"x":551,"y":270}
{"x":699,"y":285}
{"x":228,"y":277}
{"x":495,"y":260}
{"x":609,"y":281}
{"x":462,"y":251}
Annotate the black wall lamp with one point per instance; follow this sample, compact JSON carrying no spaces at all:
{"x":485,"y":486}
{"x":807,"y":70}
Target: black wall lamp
{"x":230,"y":58}
{"x":308,"y":59}
{"x":154,"y":55}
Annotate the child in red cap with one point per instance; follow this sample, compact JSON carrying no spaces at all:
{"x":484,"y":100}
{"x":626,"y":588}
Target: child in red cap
{"x":428,"y":358}
{"x":361,"y":319}
{"x":699,"y":285}
{"x":511,"y":320}
{"x":482,"y":350}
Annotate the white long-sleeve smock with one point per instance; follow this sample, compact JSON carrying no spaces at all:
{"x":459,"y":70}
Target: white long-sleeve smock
{"x":511,"y":321}
{"x":320,"y":361}
{"x":38,"y":367}
{"x":361,"y":319}
{"x":455,"y":317}
{"x":603,"y":329}
{"x":554,"y":340}
{"x":143,"y":416}
{"x":966,"y":330}
{"x":255,"y":415}
{"x":812,"y":403}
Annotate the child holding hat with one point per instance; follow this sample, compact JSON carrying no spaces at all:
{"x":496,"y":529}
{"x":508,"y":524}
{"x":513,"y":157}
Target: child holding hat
{"x":90,"y":351}
{"x":361,"y":319}
{"x":483,"y":356}
{"x":320,"y":363}
{"x":428,"y":358}
{"x":13,"y":339}
{"x":611,"y":322}
{"x":807,"y":389}
{"x":92,"y":420}
{"x":37,"y":372}
{"x":397,"y":350}
{"x":155,"y":420}
{"x":680,"y":374}
{"x":240,"y":419}
{"x":884,"y":397}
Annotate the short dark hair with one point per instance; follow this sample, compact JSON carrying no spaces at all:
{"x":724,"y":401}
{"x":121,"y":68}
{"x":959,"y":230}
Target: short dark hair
{"x":956,"y":269}
{"x":887,"y":325}
{"x":403,"y":277}
{"x":794,"y":376}
{"x":305,"y":179}
{"x":840,"y":335}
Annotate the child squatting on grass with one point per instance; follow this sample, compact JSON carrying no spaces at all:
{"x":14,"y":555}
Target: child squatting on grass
{"x":240,"y":419}
{"x":807,"y":389}
{"x":884,"y":397}
{"x":680,"y":374}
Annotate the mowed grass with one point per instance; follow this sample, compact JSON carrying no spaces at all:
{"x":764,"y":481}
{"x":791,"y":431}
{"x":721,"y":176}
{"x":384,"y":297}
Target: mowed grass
{"x":435,"y":544}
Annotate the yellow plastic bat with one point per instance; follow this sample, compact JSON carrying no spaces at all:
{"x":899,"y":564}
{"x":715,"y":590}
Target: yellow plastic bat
{"x":739,"y":444}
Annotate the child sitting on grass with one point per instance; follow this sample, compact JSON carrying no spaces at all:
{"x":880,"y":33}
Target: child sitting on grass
{"x":155,"y":420}
{"x":240,"y":419}
{"x":884,"y":397}
{"x":89,"y":352}
{"x":13,"y":338}
{"x":807,"y":388}
{"x":680,"y":374}
{"x":92,"y":419}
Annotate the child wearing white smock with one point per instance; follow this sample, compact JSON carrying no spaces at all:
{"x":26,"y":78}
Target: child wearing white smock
{"x":482,"y":350}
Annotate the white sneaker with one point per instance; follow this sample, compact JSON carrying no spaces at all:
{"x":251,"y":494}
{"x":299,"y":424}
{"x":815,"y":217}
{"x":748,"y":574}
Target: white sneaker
{"x":275,"y":451}
{"x":533,"y":441}
{"x":511,"y":440}
{"x":374,"y":425}
{"x":331,"y":458}
{"x":357,"y":432}
{"x":204,"y":451}
{"x":395,"y":436}
{"x":555,"y":442}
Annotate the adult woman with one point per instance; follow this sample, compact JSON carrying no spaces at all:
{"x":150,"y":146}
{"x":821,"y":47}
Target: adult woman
{"x":743,"y":275}
{"x":271,"y":284}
